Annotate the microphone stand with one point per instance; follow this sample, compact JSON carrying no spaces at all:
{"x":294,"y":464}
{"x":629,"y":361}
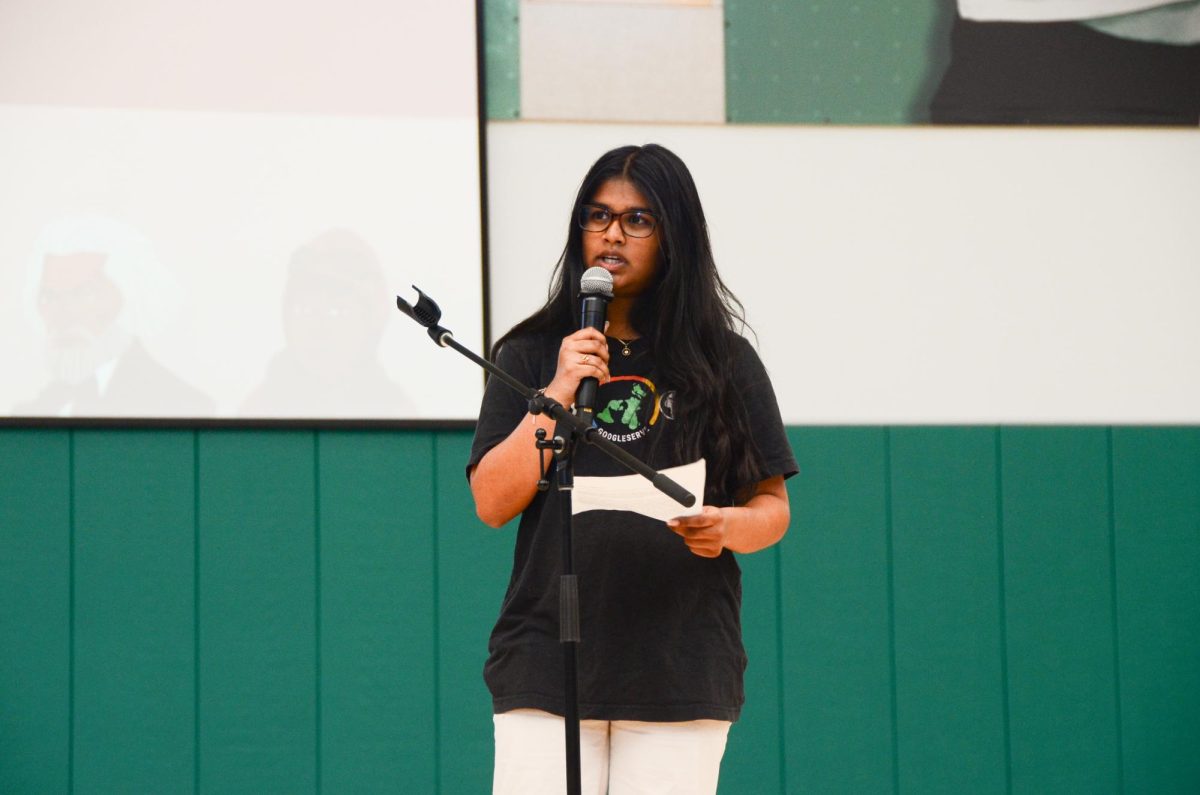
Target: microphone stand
{"x":569,"y":430}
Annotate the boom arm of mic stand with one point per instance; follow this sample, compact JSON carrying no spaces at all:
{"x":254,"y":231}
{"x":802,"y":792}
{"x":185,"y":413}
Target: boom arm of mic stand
{"x":537,"y":402}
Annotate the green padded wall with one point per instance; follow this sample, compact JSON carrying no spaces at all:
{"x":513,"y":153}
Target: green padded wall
{"x":376,"y":552}
{"x":133,"y":680}
{"x":948,"y":605}
{"x":1062,"y":701}
{"x":837,"y":731}
{"x":959,"y":609}
{"x":1156,"y":525}
{"x":36,"y":611}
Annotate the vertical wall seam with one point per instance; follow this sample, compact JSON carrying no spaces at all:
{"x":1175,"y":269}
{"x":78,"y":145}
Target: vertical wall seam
{"x":1003,"y":604}
{"x":317,"y":604}
{"x":1116,"y":635}
{"x":434,"y":437}
{"x":196,"y":610}
{"x":780,"y":679}
{"x":891,"y":605}
{"x":71,"y":610}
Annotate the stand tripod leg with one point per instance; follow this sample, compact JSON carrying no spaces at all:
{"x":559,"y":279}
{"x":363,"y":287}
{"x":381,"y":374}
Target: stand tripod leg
{"x":568,"y":634}
{"x":574,"y":772}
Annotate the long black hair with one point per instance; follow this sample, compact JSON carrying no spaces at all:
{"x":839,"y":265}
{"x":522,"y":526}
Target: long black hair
{"x":691,"y":318}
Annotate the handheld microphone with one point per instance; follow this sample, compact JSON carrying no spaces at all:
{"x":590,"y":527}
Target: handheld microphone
{"x":595,"y":291}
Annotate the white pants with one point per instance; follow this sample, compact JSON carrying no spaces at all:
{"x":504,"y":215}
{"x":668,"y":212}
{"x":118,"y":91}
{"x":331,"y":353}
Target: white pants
{"x":619,"y":757}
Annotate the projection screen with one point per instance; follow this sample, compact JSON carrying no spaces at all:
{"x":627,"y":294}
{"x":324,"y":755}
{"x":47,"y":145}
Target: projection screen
{"x":207,"y":210}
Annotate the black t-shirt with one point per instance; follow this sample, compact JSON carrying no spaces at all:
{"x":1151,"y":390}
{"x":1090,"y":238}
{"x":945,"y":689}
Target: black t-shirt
{"x":661,"y":627}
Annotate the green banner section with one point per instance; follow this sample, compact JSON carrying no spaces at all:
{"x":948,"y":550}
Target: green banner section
{"x":820,"y":62}
{"x":803,"y":62}
{"x":502,"y":59}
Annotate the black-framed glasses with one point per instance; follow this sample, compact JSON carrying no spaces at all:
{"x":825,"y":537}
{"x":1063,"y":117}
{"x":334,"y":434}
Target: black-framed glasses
{"x":635,"y":223}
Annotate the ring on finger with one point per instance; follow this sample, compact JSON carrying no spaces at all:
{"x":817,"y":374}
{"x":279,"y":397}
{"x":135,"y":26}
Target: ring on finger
{"x":586,"y":358}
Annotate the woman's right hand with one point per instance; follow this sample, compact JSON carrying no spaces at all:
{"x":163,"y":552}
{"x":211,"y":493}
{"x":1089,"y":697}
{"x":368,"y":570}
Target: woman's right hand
{"x":582,"y":354}
{"x":504,"y":481}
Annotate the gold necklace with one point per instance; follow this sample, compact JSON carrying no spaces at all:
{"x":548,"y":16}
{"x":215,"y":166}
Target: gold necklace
{"x":624,"y":346}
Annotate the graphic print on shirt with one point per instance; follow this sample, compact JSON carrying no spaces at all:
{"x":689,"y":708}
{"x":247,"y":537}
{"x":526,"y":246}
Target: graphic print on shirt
{"x":628,"y":409}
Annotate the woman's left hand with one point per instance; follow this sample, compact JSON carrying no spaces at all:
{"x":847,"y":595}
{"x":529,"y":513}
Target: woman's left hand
{"x":755,"y":525}
{"x":704,"y":532}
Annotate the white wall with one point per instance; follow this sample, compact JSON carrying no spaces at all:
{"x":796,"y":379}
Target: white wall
{"x":916,"y":274}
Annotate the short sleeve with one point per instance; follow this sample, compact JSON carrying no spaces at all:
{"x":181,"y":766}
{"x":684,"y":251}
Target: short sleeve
{"x":762,"y":409}
{"x":502,"y":406}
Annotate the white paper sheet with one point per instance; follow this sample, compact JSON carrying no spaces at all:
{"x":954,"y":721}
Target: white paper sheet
{"x":636,"y":493}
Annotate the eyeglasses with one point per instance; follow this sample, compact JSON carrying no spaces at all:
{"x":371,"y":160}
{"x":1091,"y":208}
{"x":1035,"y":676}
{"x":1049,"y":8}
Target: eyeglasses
{"x":635,"y":223}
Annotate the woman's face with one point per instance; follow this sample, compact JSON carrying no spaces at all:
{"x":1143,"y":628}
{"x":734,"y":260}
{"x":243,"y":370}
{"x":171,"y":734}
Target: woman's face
{"x":632,"y":261}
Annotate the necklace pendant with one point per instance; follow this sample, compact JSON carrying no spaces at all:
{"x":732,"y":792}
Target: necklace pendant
{"x":626,"y":352}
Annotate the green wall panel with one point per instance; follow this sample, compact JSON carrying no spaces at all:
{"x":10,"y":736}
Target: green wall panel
{"x":502,"y":59}
{"x":377,"y":677}
{"x":1059,"y":610}
{"x":814,"y":61}
{"x":950,"y":710}
{"x":257,"y":612}
{"x":953,"y":609}
{"x":835,"y":615}
{"x":134,"y":611}
{"x":1156,"y":477}
{"x":35,"y":610}
{"x":473,"y":564}
{"x":754,"y":750}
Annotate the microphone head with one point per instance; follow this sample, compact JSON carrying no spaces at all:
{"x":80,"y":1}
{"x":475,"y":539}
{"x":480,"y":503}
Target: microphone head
{"x":596,"y":281}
